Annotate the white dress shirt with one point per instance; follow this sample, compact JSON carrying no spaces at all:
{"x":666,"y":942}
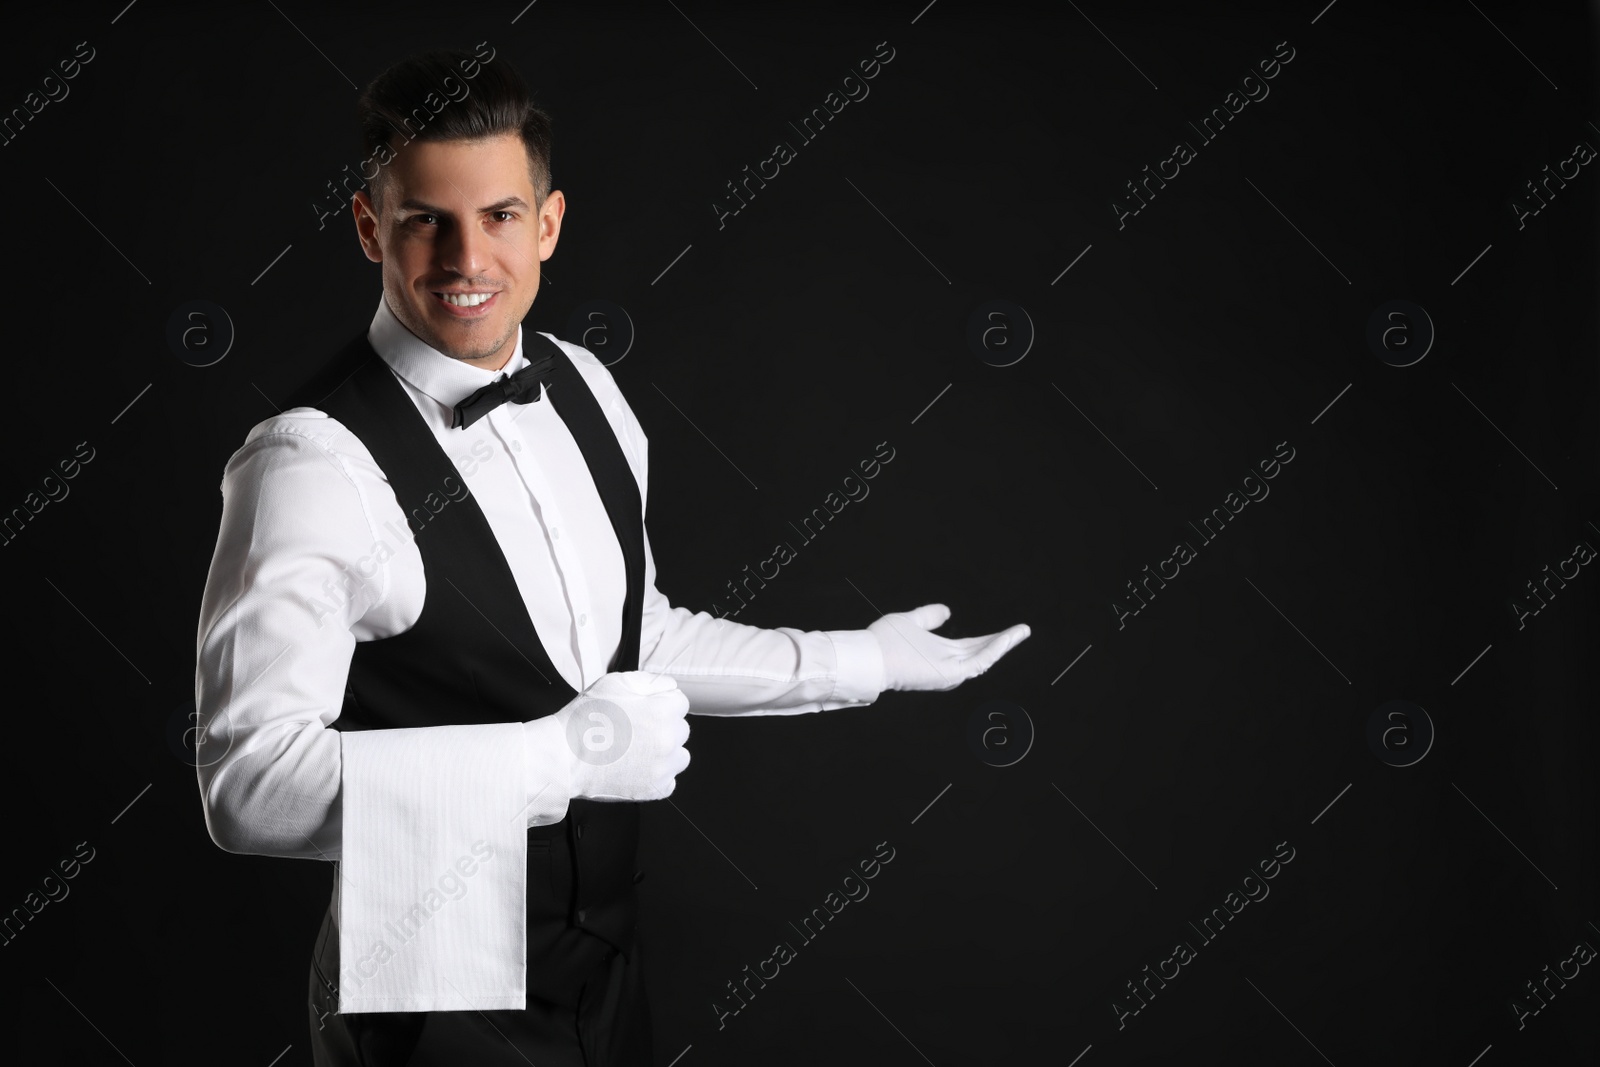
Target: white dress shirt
{"x":314,"y":554}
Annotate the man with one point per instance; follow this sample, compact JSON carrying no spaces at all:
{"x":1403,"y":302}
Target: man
{"x":431,"y":648}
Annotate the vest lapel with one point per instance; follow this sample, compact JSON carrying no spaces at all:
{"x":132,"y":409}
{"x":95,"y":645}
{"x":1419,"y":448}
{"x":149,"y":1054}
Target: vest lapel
{"x":619,"y":491}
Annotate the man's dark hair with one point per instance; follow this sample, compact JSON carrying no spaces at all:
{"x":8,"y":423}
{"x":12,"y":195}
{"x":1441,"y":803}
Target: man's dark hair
{"x":395,"y":110}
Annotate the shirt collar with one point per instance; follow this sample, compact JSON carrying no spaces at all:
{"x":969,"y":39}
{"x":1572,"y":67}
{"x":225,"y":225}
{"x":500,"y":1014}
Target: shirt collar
{"x":448,"y":381}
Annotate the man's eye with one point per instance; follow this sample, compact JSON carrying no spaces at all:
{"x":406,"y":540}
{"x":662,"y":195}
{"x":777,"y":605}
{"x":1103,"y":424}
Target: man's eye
{"x":425,"y":218}
{"x":508,"y":216}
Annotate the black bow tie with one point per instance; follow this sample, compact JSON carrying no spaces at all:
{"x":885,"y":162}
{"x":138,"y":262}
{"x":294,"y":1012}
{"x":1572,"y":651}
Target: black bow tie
{"x":519,"y":388}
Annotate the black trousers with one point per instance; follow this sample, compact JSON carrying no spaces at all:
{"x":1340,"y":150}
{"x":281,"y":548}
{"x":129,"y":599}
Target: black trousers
{"x":603,"y":1022}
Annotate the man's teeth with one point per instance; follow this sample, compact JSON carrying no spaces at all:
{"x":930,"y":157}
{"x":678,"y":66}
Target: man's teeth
{"x":465,"y":300}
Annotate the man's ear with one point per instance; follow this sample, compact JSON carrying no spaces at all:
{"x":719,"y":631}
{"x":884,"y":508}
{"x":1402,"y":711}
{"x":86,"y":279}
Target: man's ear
{"x":366,"y":218}
{"x":550,"y":214}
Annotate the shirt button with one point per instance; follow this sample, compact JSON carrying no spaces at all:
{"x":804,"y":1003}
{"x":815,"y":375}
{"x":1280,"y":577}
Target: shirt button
{"x":555,"y":533}
{"x":583,"y":914}
{"x":582,"y":619}
{"x":516,"y":446}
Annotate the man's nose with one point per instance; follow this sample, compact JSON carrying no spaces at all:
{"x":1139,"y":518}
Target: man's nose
{"x":466,"y":250}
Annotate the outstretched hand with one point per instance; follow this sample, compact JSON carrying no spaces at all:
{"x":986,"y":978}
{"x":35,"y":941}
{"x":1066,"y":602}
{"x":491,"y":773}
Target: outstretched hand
{"x":915,"y":658}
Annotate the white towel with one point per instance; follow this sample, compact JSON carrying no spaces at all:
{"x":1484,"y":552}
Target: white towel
{"x":431,"y":907}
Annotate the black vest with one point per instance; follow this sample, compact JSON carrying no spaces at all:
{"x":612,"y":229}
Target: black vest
{"x":474,"y":655}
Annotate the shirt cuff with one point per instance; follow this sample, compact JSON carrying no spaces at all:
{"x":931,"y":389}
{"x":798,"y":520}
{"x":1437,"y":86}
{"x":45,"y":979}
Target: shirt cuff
{"x":549,"y":770}
{"x":859,"y":675}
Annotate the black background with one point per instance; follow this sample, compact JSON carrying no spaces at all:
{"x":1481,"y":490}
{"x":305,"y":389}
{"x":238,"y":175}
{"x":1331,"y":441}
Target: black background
{"x":821,"y":320}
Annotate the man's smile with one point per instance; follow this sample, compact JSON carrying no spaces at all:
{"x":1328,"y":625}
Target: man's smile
{"x":471,"y":304}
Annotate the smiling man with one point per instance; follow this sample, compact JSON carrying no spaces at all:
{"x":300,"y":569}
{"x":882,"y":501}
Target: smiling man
{"x":458,"y":276}
{"x":431,"y":648}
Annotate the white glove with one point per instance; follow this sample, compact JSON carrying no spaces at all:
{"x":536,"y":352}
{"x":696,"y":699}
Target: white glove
{"x":620,"y":739}
{"x":913,"y":658}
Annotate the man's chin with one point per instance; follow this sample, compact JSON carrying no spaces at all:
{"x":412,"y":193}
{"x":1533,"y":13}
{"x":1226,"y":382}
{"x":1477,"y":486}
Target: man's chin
{"x":469,"y":340}
{"x":471,"y":353}
{"x":461,"y":339}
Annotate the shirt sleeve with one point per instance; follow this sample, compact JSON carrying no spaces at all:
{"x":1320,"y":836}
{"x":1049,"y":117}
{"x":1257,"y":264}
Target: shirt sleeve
{"x":296,"y":579}
{"x":731,"y":668}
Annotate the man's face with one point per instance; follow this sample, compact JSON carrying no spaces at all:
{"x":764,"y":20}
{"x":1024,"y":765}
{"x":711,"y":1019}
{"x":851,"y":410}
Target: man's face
{"x":458,"y":220}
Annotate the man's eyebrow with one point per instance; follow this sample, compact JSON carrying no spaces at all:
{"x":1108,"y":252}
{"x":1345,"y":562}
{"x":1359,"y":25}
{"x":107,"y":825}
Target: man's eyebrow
{"x":413,"y":204}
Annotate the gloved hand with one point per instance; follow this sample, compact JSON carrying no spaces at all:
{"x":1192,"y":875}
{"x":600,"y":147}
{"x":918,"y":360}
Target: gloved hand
{"x":914,"y":658}
{"x":620,"y":739}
